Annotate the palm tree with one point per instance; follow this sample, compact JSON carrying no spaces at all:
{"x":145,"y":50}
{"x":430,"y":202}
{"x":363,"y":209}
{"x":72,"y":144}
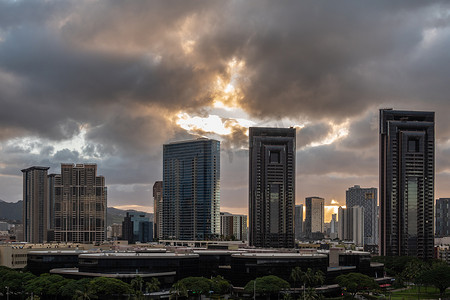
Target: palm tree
{"x":311,"y":278}
{"x":152,"y":285}
{"x":179,"y":290}
{"x":310,"y":294}
{"x":296,"y":275}
{"x":84,"y":294}
{"x":136,"y":284}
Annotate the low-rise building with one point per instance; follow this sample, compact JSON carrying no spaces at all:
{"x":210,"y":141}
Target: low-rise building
{"x":15,"y":255}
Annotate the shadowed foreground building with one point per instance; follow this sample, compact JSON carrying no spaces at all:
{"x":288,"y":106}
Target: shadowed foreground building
{"x":36,"y":208}
{"x":191,"y":190}
{"x":406,"y":183}
{"x":298,"y":221}
{"x":442,"y":217}
{"x":271,"y":187}
{"x":157,"y":209}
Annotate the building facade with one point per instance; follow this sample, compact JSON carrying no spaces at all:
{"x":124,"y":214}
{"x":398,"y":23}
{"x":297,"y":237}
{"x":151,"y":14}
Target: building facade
{"x":298,"y":221}
{"x":233,"y":227}
{"x":191,"y":190}
{"x":80,"y":204}
{"x":442,"y":217}
{"x":315,"y":215}
{"x":407,"y":161}
{"x":157,"y":209}
{"x":351,"y":224}
{"x":36,"y":208}
{"x":366,"y":198}
{"x":271,"y":187}
{"x":137,"y":228}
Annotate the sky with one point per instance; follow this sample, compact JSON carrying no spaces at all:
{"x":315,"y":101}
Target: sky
{"x":110,"y":82}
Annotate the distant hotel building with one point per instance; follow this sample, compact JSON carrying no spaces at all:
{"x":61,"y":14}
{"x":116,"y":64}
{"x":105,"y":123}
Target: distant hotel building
{"x":442,"y":217}
{"x":233,"y":226}
{"x":157,"y":209}
{"x":191,"y":190}
{"x":315,"y":215}
{"x":351,"y":224}
{"x":36,"y":208}
{"x":80,"y":204}
{"x":406,"y":183}
{"x":271,"y":187}
{"x":366,"y":198}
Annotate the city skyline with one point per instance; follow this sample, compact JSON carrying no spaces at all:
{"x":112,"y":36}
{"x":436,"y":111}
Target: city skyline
{"x":84,"y":82}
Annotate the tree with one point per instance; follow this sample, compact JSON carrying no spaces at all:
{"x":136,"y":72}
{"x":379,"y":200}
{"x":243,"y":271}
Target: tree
{"x":14,"y":280}
{"x":413,"y":270}
{"x":310,"y":294}
{"x":76,"y":289}
{"x":296,"y":275}
{"x":179,"y":290}
{"x":152,"y":285}
{"x":104,"y":287}
{"x":137,"y":284}
{"x":312,"y":279}
{"x":266,"y":285}
{"x":220,"y":285}
{"x":438,"y":276}
{"x":355,"y":282}
{"x":46,"y":285}
{"x":197,"y":285}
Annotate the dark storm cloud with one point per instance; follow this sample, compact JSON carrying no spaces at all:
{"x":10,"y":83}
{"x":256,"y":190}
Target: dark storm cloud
{"x":121,"y":70}
{"x":316,"y":58}
{"x":312,"y":133}
{"x":362,"y":133}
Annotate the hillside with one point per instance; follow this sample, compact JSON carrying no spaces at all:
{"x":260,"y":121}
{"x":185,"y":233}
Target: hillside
{"x":12,"y":211}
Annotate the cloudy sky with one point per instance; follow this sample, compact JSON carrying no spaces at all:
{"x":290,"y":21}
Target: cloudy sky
{"x":111,"y":81}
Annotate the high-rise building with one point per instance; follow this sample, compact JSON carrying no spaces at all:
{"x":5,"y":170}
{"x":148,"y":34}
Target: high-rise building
{"x":315,"y":215}
{"x":298,"y":217}
{"x":271,"y":187}
{"x":406,"y":183}
{"x":350,"y":227}
{"x":80,"y":204}
{"x":157,"y":208}
{"x":137,"y":228}
{"x":36,"y":208}
{"x":442,"y":217}
{"x":233,"y":226}
{"x":191,"y":190}
{"x":51,"y":200}
{"x":333,"y":226}
{"x":366,"y":198}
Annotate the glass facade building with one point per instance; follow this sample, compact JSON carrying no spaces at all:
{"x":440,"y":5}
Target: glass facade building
{"x":406,"y":183}
{"x":191,"y":190}
{"x":271,"y":187}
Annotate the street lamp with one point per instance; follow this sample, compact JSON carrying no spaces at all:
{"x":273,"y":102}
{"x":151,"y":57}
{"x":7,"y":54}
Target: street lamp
{"x":7,"y":292}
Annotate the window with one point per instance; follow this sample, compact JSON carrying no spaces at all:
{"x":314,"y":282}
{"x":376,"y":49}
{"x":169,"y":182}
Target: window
{"x":413,"y":145}
{"x":274,"y":157}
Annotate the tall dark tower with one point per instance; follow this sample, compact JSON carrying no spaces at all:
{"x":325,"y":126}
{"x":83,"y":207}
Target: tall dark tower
{"x":406,"y":183}
{"x":36,"y":208}
{"x":272,"y":187}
